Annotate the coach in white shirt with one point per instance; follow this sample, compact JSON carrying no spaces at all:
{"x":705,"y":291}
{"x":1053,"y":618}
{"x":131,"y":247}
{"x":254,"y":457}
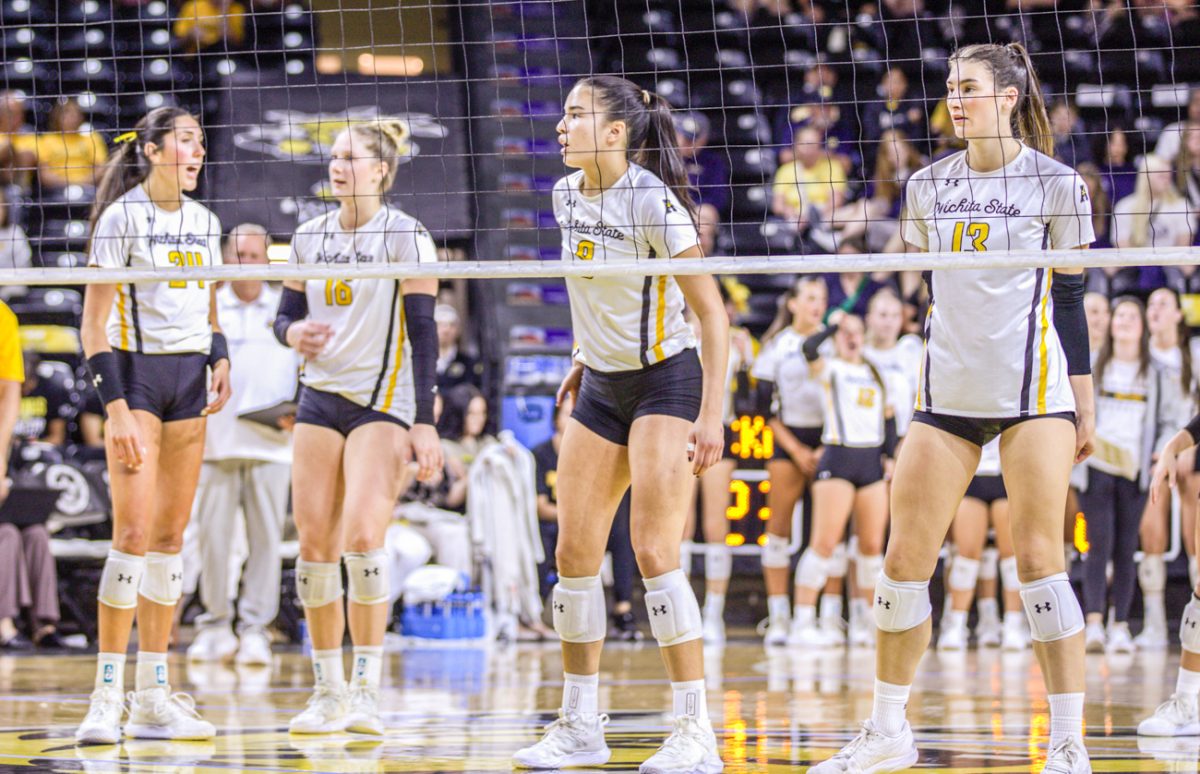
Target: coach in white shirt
{"x":247,"y":469}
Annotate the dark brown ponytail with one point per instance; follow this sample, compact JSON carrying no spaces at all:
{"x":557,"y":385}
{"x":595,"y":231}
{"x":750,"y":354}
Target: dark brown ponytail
{"x":650,"y":128}
{"x":1011,"y":66}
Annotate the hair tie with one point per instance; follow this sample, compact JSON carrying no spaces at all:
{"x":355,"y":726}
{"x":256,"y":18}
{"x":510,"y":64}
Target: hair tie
{"x":645,"y":98}
{"x":121,"y":139}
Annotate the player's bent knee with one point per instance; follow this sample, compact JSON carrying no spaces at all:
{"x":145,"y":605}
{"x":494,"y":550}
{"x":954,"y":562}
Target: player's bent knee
{"x":121,"y":579}
{"x":673,"y":609}
{"x":1010,"y":579}
{"x":900,"y":605}
{"x":1052,"y":608}
{"x":718,"y":562}
{"x":812,"y":571}
{"x":579,"y":609}
{"x":1152,"y":573}
{"x":868,"y":570}
{"x":367,"y":575}
{"x":162,"y":582}
{"x":964,"y":573}
{"x":318,"y":583}
{"x":776,"y":551}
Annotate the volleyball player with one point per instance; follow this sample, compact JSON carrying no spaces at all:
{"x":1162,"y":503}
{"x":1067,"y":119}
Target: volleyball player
{"x":1180,"y":714}
{"x":150,"y":347}
{"x":366,"y":407}
{"x":1000,"y":359}
{"x":860,"y":432}
{"x":986,"y":502}
{"x":796,"y":418}
{"x":647,"y":414}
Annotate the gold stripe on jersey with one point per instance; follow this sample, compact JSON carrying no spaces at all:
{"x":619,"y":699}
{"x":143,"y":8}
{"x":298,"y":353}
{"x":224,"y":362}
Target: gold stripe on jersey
{"x":399,"y":358}
{"x":660,"y":320}
{"x":121,"y":317}
{"x":831,"y":411}
{"x":1043,"y":355}
{"x":921,"y":375}
{"x":1131,"y":396}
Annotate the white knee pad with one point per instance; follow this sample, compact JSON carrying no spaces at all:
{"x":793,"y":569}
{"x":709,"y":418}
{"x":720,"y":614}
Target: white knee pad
{"x":318,"y":583}
{"x":900,"y":606}
{"x":163,"y":580}
{"x":367,"y":576}
{"x":775,"y":551}
{"x":579,"y":609}
{"x":838,"y":562}
{"x":1010,"y":579}
{"x":718,"y":562}
{"x":674,"y":611}
{"x":1152,"y":573}
{"x":121,"y":579}
{"x":964,"y":572}
{"x":987,"y":565}
{"x":1052,"y":608}
{"x":812,"y":570}
{"x":1189,"y":626}
{"x":868,"y":570}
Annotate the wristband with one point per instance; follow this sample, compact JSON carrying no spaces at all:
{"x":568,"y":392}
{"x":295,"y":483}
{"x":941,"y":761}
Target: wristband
{"x":218,"y":350}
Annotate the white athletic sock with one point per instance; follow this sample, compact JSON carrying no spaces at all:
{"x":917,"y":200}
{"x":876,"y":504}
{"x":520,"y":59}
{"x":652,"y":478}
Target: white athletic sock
{"x":110,"y":671}
{"x":954,"y":618}
{"x":581,"y":694}
{"x":691,"y":699}
{"x":1014,"y":617}
{"x":714,"y":605}
{"x":804,"y":615}
{"x":859,"y":609}
{"x":1188,"y":683}
{"x":777,"y":608}
{"x":328,"y":669}
{"x":888,"y":711}
{"x":831,"y":609}
{"x":1066,"y":717}
{"x":368,"y":666}
{"x":151,"y":671}
{"x":989,"y":609}
{"x":1154,"y":610}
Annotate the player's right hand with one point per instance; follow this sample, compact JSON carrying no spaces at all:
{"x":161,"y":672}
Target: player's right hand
{"x":309,"y":337}
{"x":1165,"y":471}
{"x":570,"y":385}
{"x":124,"y":436}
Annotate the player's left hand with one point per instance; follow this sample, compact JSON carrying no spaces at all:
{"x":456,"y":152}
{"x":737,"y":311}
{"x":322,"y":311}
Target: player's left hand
{"x":427,"y":451}
{"x":220,"y":387}
{"x":706,"y":441}
{"x":1085,"y":430}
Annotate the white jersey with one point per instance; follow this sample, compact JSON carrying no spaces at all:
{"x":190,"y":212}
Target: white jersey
{"x":991,"y":348}
{"x":901,"y":367}
{"x":798,"y":396}
{"x":1121,"y":413}
{"x":368,"y":361}
{"x":625,"y":323}
{"x":989,"y":458}
{"x":854,"y":403}
{"x":157,"y":318}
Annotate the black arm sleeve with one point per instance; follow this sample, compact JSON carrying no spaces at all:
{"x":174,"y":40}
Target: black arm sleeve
{"x":764,"y":397}
{"x":891,"y":438}
{"x":293,"y":307}
{"x":1071,"y":322}
{"x":1193,"y":429}
{"x":814,"y":342}
{"x":422,"y":335}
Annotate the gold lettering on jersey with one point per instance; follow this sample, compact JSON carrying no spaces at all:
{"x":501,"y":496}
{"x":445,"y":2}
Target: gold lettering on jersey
{"x":586,"y":250}
{"x":866,"y":397}
{"x":183,"y":260}
{"x":976,"y":232}
{"x":338,"y":293}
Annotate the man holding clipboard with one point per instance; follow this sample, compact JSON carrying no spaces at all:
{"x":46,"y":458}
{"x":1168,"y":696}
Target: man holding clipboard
{"x":247,"y":467}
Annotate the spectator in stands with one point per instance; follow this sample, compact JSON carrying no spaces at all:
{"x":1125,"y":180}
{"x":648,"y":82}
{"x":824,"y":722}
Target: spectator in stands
{"x":851,"y":291}
{"x":247,"y":468}
{"x":1155,"y":215}
{"x":1187,"y":173}
{"x":1101,"y":204}
{"x":1120,"y":175}
{"x":454,"y":367}
{"x":875,"y":217}
{"x":48,"y":403}
{"x":941,"y":128}
{"x":18,"y":144}
{"x":1070,"y":142}
{"x":827,"y":118}
{"x":900,"y":30}
{"x":28,"y":576}
{"x":66,"y":155}
{"x":14,"y":246}
{"x":708,"y":169}
{"x":708,"y":225}
{"x":211,"y":24}
{"x":462,"y":429}
{"x":812,"y":186}
{"x":895,"y":109}
{"x":1171,"y":138}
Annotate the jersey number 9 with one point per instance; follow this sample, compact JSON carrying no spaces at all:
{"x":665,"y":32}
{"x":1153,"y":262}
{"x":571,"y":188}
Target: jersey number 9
{"x":976,"y":232}
{"x":338,"y":293}
{"x":182,"y":260}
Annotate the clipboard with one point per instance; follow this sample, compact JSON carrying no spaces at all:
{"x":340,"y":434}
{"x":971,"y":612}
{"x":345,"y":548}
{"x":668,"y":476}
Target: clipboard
{"x":270,"y":415}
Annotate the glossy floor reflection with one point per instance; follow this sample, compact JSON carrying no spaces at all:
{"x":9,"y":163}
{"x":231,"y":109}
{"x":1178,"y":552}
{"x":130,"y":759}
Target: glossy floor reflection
{"x":466,"y":709}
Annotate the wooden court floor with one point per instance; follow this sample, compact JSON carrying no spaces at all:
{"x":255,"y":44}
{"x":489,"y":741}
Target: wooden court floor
{"x":466,"y":709}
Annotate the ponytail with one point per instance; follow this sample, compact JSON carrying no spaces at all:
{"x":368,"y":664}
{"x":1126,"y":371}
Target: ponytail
{"x":650,"y":128}
{"x":1011,"y":66}
{"x":128,"y":166}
